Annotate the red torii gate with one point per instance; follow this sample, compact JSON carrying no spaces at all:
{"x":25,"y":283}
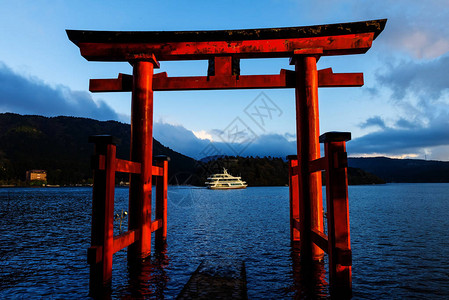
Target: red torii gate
{"x":223,"y":49}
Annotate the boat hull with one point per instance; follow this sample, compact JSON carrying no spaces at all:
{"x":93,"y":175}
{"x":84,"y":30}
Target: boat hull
{"x":226,"y":187}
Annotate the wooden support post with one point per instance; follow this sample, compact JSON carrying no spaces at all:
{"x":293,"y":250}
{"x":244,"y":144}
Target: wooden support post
{"x":161,"y":201}
{"x":102,"y":237}
{"x":294,"y":198}
{"x":308,"y":147}
{"x":141,"y":151}
{"x":340,"y":257}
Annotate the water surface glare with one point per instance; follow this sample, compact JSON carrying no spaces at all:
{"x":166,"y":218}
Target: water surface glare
{"x":399,"y":237}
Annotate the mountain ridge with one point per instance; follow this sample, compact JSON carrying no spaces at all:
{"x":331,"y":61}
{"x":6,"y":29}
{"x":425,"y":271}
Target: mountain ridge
{"x":60,"y":146}
{"x":403,"y":170}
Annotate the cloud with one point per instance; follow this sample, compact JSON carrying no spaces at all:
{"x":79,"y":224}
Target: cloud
{"x":403,"y":123}
{"x":179,"y":139}
{"x":420,"y":94}
{"x":418,"y":28}
{"x":32,"y":96}
{"x":410,"y":138}
{"x":415,"y":27}
{"x":186,"y":142}
{"x":203,"y":135}
{"x":271,"y":145}
{"x":427,"y":80}
{"x":372,"y":122}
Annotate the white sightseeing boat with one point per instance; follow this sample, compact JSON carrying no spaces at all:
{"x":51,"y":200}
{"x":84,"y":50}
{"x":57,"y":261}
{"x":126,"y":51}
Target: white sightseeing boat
{"x":225,"y":181}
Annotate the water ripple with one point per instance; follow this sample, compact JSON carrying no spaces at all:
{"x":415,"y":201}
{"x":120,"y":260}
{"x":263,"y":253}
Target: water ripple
{"x":398,"y":232}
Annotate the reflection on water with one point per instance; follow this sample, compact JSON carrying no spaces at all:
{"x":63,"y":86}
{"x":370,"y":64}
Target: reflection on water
{"x":149,"y":279}
{"x":399,"y":238}
{"x":309,"y":280}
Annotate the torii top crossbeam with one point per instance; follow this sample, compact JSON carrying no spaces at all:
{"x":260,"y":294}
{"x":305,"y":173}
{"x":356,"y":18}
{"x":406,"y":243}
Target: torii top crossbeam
{"x":334,"y":39}
{"x":223,"y":46}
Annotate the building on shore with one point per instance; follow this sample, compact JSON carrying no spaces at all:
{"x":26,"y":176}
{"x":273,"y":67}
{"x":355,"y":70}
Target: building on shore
{"x":36,"y":175}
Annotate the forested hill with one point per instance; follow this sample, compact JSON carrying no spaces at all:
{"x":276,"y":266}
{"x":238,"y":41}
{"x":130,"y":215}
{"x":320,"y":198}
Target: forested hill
{"x":403,"y":170}
{"x":60,"y":146}
{"x":268,"y":171}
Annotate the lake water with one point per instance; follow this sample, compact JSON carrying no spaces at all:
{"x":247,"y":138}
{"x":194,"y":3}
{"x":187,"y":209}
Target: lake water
{"x":399,"y":238}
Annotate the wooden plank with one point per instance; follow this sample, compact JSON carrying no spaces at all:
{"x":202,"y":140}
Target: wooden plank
{"x":197,"y":50}
{"x":317,"y":165}
{"x":156,"y":224}
{"x":296,"y":223}
{"x":126,"y":166}
{"x":124,"y":240}
{"x":163,"y":83}
{"x":157,"y":171}
{"x":123,"y":83}
{"x":79,"y":36}
{"x":219,"y":82}
{"x":320,"y":239}
{"x":286,"y":79}
{"x":295,"y":170}
{"x":308,"y":51}
{"x":262,"y":42}
{"x":326,"y":78}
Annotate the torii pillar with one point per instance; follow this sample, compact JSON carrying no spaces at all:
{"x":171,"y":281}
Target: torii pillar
{"x":141,"y":151}
{"x":308,"y":149}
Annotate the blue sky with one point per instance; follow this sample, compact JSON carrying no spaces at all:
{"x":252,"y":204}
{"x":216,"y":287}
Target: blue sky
{"x":402,"y":111}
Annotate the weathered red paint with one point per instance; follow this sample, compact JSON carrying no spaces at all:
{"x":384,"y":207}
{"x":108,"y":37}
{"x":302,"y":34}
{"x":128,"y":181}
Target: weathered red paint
{"x":337,"y":242}
{"x":286,"y":79}
{"x":102,"y":234}
{"x":108,"y":246}
{"x":126,"y":166}
{"x":123,"y":83}
{"x":308,"y":147}
{"x":320,"y":239}
{"x":104,"y":243}
{"x":158,"y":171}
{"x":327,"y":78}
{"x":317,"y":164}
{"x":294,"y":198}
{"x":223,"y":66}
{"x":330,"y":45}
{"x":338,"y":214}
{"x":161,"y":200}
{"x":125,"y":239}
{"x":156,"y":225}
{"x":142,"y":152}
{"x":121,"y":165}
